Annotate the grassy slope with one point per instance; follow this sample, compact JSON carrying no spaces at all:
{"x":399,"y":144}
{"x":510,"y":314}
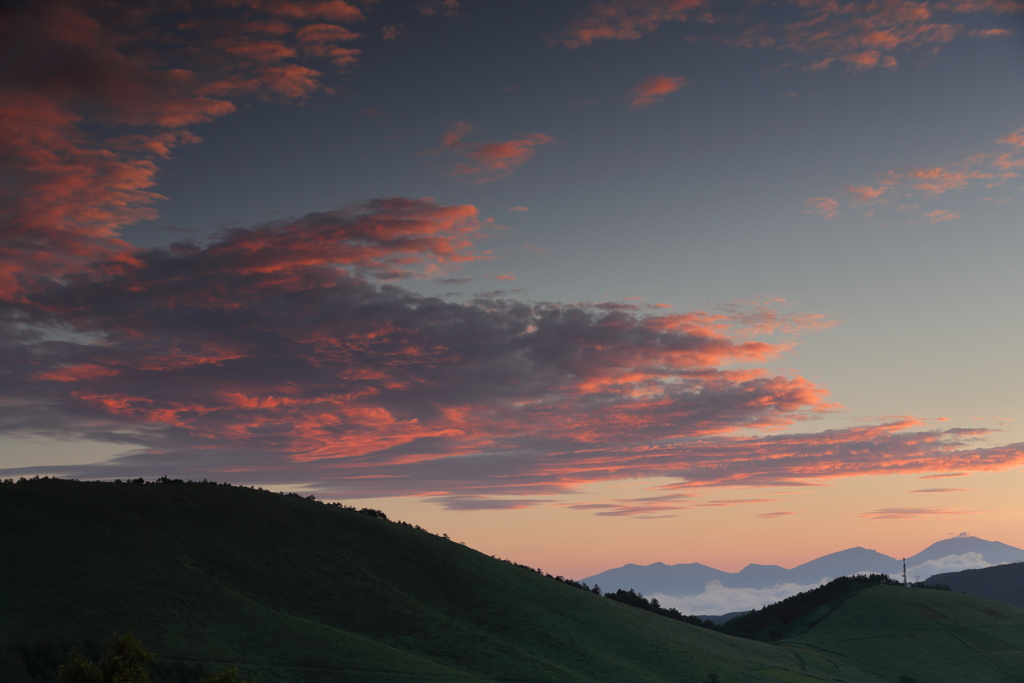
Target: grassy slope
{"x":292,"y":590}
{"x":931,"y":636}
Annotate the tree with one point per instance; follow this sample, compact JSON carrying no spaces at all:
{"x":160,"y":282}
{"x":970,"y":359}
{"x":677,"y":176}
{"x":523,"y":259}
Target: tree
{"x":125,"y":662}
{"x":78,"y":670}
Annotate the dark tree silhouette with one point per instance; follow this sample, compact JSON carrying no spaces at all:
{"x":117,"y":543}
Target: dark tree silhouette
{"x":125,"y":662}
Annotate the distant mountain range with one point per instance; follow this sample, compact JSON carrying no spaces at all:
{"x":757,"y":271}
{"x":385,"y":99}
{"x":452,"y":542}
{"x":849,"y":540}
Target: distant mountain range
{"x":679,"y":580}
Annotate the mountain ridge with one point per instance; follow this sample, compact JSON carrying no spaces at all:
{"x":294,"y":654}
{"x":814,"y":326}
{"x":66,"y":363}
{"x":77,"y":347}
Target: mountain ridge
{"x":690,"y":579}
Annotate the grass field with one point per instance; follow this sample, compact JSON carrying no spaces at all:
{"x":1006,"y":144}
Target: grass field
{"x":930,"y":636}
{"x":289,"y":589}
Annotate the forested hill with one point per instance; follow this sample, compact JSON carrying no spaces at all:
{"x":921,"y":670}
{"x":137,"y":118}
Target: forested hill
{"x":292,"y":590}
{"x":1004,"y":582}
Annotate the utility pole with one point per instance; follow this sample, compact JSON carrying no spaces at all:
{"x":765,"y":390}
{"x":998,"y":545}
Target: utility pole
{"x":905,"y":573}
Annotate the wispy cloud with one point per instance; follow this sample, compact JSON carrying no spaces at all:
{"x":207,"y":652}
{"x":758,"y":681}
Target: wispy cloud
{"x":912,"y":513}
{"x":773,"y":515}
{"x":992,"y":169}
{"x":857,"y":35}
{"x":654,"y":89}
{"x":825,"y":206}
{"x":628,"y":19}
{"x":485,"y":162}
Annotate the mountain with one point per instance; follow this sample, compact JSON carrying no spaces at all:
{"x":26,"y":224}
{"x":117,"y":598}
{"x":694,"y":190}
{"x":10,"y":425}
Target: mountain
{"x":1004,"y":583}
{"x":682,"y":580}
{"x":676,"y":579}
{"x":993,"y":552}
{"x":840,"y":563}
{"x":290,"y":590}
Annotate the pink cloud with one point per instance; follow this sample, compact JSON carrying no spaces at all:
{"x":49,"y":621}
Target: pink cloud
{"x":654,"y":89}
{"x":627,"y":19}
{"x":991,"y":6}
{"x":991,"y":169}
{"x":325,"y":33}
{"x":273,"y":352}
{"x":942,"y":215}
{"x":337,"y":10}
{"x":990,"y":33}
{"x":1014,"y":139}
{"x":87,"y":115}
{"x":865,"y":194}
{"x":912,"y":513}
{"x":863,"y":60}
{"x":826,"y":206}
{"x":487,"y":161}
{"x":861,"y":35}
{"x":443,"y":8}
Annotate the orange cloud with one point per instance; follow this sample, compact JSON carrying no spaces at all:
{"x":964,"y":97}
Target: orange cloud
{"x":865,"y":194}
{"x":627,"y":19}
{"x":990,"y":33}
{"x":487,"y":161}
{"x":1014,"y":139}
{"x":271,"y":349}
{"x":275,"y":339}
{"x":337,"y":10}
{"x":654,"y":89}
{"x":826,"y":206}
{"x":325,"y":33}
{"x":942,"y":215}
{"x":73,"y":69}
{"x":992,"y":169}
{"x":861,"y":35}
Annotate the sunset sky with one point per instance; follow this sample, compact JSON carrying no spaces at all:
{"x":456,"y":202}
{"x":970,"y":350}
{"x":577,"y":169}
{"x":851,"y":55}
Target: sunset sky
{"x":578,"y":283}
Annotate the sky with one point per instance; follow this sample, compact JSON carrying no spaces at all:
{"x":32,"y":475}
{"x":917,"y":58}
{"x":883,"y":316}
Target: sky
{"x":578,"y":283}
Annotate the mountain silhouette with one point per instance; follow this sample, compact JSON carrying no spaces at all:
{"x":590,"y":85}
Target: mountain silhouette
{"x":1004,"y":582}
{"x":681,"y":580}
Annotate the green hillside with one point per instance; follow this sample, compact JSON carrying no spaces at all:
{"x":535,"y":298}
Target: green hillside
{"x":928,"y":636}
{"x":289,"y":589}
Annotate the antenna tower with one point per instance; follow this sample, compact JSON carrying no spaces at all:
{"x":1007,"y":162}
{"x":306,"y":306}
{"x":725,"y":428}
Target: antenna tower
{"x":904,"y":572}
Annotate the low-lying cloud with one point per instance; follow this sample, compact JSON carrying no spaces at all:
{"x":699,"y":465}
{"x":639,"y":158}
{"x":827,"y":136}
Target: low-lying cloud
{"x":949,"y":563}
{"x":717,"y":599}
